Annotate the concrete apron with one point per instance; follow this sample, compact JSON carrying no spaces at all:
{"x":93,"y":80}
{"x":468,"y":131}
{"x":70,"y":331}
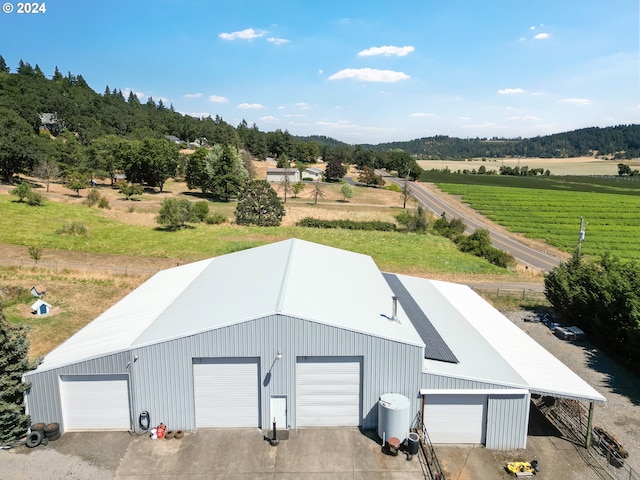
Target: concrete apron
{"x":341,"y":453}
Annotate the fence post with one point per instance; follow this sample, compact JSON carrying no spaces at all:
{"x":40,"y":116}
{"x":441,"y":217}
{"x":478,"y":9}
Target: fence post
{"x":587,"y":442}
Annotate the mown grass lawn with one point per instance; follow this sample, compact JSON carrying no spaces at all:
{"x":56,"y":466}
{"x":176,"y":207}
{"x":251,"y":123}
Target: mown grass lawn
{"x":21,"y":224}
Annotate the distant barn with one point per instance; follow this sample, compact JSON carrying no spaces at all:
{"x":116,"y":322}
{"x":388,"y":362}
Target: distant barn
{"x":279,"y":174}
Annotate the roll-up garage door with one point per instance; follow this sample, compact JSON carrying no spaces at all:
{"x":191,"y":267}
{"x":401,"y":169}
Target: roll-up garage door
{"x":95,"y":402}
{"x":455,"y":418}
{"x":328,"y":391}
{"x":226,"y":392}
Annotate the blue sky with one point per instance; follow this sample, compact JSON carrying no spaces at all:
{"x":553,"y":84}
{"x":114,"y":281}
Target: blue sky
{"x":359,"y":71}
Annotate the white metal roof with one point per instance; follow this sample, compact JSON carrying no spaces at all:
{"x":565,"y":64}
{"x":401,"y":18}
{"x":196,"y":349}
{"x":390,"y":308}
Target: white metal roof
{"x":118,"y":327}
{"x":489,"y":346}
{"x":271,"y":279}
{"x":351,"y":293}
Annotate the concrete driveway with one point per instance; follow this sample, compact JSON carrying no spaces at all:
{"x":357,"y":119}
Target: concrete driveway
{"x":336,"y":454}
{"x":341,"y":453}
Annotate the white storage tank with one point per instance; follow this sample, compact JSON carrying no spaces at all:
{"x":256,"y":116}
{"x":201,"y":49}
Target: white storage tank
{"x":394,"y":417}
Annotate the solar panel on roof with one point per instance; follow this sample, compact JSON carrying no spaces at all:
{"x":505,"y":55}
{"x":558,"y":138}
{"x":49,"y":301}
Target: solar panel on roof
{"x":435,"y":347}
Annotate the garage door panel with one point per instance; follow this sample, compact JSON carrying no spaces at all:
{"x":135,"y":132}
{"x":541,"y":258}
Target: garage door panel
{"x":95,"y":402}
{"x":226,"y":393}
{"x":455,"y":418}
{"x":328,"y":391}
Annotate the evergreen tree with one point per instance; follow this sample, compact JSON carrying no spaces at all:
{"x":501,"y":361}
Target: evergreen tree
{"x":57,"y":75}
{"x":3,"y":65}
{"x":224,"y":172}
{"x":14,"y":362}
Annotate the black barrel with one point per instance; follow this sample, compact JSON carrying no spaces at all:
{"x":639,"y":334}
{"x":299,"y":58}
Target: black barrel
{"x":413,"y":443}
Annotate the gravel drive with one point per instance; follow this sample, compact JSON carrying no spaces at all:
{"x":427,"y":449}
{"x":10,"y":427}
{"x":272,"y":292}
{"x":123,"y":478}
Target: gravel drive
{"x":620,"y":414}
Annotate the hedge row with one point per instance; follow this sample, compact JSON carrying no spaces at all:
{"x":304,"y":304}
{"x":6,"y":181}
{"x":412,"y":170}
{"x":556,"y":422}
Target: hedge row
{"x":347,"y":224}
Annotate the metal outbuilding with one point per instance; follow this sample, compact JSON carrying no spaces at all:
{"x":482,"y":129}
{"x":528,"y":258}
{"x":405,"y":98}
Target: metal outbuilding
{"x":242,"y":339}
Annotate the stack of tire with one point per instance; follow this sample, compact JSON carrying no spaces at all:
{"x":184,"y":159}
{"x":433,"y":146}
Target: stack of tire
{"x":41,"y":433}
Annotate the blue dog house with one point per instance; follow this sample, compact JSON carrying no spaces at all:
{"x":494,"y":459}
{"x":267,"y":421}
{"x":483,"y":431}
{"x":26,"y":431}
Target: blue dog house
{"x":40,"y":307}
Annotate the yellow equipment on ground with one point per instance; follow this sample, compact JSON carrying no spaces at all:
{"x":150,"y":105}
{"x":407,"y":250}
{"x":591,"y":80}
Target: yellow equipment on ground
{"x":521,"y":469}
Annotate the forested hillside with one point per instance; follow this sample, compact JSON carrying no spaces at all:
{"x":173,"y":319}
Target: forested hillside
{"x":622,"y":141}
{"x":61,"y":123}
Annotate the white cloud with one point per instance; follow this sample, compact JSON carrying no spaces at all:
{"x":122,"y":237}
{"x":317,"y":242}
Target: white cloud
{"x":303,"y":105}
{"x":370,"y":75}
{"x":128,"y":90}
{"x":387,"y":51}
{"x":542,"y":36}
{"x":320,"y":72}
{"x":277,"y":41}
{"x":192,"y":95}
{"x":269,"y":119}
{"x":510,"y":91}
{"x":576,"y":101}
{"x":218,"y":99}
{"x":197,"y":114}
{"x":526,"y":118}
{"x":246,"y":34}
{"x":294,"y":115}
{"x":421,"y":114}
{"x":281,"y":107}
{"x":250,"y":106}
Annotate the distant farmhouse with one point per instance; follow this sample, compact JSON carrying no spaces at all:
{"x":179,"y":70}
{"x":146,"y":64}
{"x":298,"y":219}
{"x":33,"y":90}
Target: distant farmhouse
{"x":49,"y":122}
{"x":279,"y":174}
{"x":312,"y":173}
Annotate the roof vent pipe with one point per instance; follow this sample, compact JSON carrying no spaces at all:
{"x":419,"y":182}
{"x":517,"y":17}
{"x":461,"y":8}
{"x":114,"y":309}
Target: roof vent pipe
{"x":394,"y":308}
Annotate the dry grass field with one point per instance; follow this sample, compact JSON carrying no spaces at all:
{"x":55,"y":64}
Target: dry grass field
{"x":557,"y":166}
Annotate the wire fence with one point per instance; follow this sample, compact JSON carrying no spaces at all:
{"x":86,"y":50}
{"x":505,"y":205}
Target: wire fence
{"x":58,"y":266}
{"x":523,"y":294}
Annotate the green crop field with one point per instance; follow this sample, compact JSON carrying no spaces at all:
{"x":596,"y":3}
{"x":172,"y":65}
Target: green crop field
{"x":550,"y":209}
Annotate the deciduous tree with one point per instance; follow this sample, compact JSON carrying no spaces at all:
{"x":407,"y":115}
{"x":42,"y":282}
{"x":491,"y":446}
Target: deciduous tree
{"x":47,"y":170}
{"x":259,"y":205}
{"x":175,"y":214}
{"x":346,"y":191}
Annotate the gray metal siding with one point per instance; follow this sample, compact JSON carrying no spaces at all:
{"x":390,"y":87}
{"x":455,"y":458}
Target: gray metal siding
{"x":43,"y":397}
{"x":161,"y":378}
{"x":507,"y":421}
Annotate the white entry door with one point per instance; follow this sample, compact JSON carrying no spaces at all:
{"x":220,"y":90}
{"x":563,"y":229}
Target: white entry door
{"x":278,"y":411}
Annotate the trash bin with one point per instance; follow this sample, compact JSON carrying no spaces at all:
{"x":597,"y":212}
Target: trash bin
{"x":413,"y":443}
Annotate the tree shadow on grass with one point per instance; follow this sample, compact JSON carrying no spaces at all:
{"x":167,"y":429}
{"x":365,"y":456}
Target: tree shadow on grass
{"x":174,"y":228}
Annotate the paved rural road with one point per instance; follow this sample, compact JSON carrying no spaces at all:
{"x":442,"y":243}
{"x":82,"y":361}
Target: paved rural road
{"x":527,"y":255}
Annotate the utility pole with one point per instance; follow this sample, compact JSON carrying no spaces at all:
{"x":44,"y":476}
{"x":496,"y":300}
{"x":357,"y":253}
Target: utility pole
{"x":583,"y":225}
{"x":406,"y":189}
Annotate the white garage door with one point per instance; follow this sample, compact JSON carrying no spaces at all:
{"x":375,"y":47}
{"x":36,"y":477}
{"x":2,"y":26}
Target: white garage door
{"x":95,"y":402}
{"x":455,"y":418}
{"x":328,"y":392}
{"x":226,"y":392}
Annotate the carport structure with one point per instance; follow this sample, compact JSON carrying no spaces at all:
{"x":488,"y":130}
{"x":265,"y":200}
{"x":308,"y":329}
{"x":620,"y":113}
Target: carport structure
{"x":304,"y":333}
